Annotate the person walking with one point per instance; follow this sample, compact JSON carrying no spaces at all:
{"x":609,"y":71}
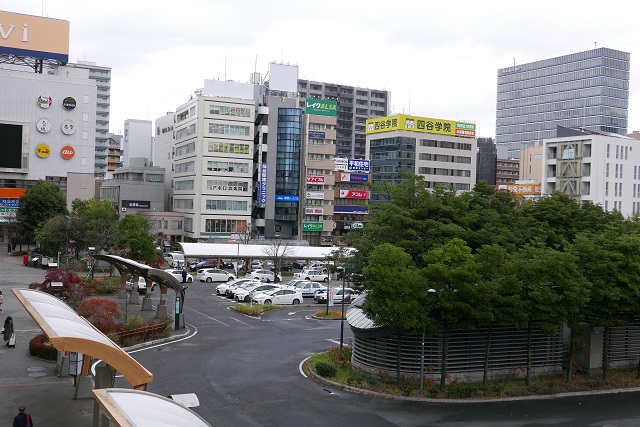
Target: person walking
{"x":23,"y":419}
{"x":1,"y":301}
{"x":8,"y":329}
{"x":184,"y":274}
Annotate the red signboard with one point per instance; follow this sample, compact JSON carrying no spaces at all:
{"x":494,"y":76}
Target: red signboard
{"x":354,"y":194}
{"x":315,"y":179}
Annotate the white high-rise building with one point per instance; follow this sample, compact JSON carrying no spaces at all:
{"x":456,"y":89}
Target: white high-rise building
{"x":137,"y":141}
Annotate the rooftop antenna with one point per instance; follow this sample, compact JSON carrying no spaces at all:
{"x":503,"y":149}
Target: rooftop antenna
{"x":514,"y":61}
{"x":43,"y":8}
{"x":595,"y":45}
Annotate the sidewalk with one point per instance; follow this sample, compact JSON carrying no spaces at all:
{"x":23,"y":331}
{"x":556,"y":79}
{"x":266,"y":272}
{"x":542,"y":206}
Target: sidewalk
{"x":33,"y":382}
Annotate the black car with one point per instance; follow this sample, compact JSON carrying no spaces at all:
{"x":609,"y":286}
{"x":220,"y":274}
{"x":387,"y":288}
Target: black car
{"x":287,"y":265}
{"x":226,"y":263}
{"x":299,"y":264}
{"x":201,"y":265}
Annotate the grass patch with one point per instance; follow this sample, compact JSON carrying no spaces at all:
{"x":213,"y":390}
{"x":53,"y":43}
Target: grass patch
{"x":322,"y":314}
{"x":462,"y":388}
{"x":254,"y":309}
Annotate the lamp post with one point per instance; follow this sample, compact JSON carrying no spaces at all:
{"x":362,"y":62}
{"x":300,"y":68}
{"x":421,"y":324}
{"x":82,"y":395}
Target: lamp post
{"x":344,"y":271}
{"x":429,"y":291}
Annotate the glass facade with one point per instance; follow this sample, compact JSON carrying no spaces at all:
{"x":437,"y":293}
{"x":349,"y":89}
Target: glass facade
{"x":289,"y":143}
{"x":388,"y":157}
{"x":587,"y":89}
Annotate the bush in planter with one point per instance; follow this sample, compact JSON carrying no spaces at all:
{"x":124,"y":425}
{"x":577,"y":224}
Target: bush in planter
{"x":325,"y":369}
{"x":41,"y":347}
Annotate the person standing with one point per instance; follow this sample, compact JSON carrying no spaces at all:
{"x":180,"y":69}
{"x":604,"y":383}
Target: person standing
{"x":8,"y":248}
{"x":23,"y":419}
{"x":8,"y":329}
{"x":184,"y":274}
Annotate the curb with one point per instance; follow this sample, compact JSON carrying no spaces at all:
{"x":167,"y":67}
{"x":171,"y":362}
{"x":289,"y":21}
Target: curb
{"x":173,"y":337}
{"x":463,"y":401}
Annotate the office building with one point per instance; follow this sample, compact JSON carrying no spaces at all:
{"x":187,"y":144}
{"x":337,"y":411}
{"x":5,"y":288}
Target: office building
{"x":355,"y":106}
{"x":442,"y":151}
{"x":114,"y":153}
{"x":213,"y":165}
{"x":137,"y":141}
{"x":163,"y":151}
{"x":587,"y":89}
{"x":531,"y":164}
{"x":486,"y":163}
{"x":316,"y":212}
{"x":592,"y":166}
{"x":507,"y":171}
{"x":102,"y":78}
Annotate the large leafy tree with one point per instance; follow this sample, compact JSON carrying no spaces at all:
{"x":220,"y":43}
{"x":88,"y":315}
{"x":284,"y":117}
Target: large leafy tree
{"x":42,"y":201}
{"x":462,"y":298}
{"x":396,"y":292}
{"x":99,"y":221}
{"x":135,"y":238}
{"x":60,"y":233}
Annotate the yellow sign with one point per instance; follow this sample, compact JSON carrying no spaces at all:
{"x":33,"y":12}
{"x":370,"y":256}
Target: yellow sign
{"x":33,"y":36}
{"x":43,"y":150}
{"x":529,"y":189}
{"x":421,"y":124}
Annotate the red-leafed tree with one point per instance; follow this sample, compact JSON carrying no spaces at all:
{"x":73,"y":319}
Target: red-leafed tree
{"x":101,"y":312}
{"x":73,"y":291}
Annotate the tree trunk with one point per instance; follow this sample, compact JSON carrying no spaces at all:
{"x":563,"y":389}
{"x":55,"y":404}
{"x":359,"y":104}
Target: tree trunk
{"x":570,"y":356}
{"x":529,"y":352}
{"x":398,"y":351}
{"x":445,"y":350}
{"x":486,"y":357}
{"x":605,"y":358}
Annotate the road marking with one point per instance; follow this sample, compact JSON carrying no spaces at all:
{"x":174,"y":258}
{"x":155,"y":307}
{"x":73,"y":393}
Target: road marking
{"x":208,"y":317}
{"x":301,"y":365}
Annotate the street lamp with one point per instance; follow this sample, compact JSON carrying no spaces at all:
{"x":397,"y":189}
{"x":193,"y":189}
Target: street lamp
{"x":429,"y":291}
{"x":344,"y":271}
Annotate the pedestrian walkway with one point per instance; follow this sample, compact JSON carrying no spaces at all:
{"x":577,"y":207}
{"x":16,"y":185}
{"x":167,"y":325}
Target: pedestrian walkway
{"x":32,"y":382}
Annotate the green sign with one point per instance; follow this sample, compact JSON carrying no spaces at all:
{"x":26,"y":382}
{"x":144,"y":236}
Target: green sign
{"x":312,"y":226}
{"x":321,"y":107}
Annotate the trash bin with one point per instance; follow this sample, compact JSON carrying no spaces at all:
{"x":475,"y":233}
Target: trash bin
{"x":25,"y":259}
{"x":35,"y":262}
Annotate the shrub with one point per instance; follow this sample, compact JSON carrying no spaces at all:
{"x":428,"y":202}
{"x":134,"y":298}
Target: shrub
{"x":325,"y":370}
{"x":104,"y":286}
{"x":101,"y":312}
{"x":41,"y":347}
{"x":340,"y":356}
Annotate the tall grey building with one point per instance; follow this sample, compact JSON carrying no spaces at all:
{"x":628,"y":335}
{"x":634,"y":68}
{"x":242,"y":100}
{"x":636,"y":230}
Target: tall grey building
{"x":486,"y":164}
{"x":355,"y":106}
{"x":102,"y":77}
{"x":587,"y":89}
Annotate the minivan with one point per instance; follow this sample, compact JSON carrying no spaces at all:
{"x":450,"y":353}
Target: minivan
{"x":174,"y":259}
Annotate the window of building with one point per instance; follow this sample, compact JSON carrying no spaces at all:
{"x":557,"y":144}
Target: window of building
{"x":183,"y":203}
{"x":186,"y":131}
{"x":617,"y":168}
{"x":228,"y":147}
{"x":225,"y":129}
{"x":223,"y":110}
{"x":188,"y":225}
{"x":183,"y":185}
{"x":235,"y":167}
{"x":155,"y":177}
{"x":176,"y":224}
{"x":606,"y":188}
{"x":230,"y":186}
{"x":608,"y":149}
{"x":226,"y":205}
{"x":185,"y":149}
{"x":185,"y":167}
{"x":221,"y":225}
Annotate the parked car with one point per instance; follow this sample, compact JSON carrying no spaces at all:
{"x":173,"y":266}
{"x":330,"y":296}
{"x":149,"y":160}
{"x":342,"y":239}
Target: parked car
{"x":214,"y":275}
{"x":321,"y":296}
{"x":316,"y":275}
{"x":226,"y":263}
{"x":264,"y":276}
{"x":177,"y":273}
{"x":278,"y":296}
{"x":308,"y":289}
{"x":287,"y":265}
{"x":292,"y":283}
{"x":142,"y":285}
{"x":231,"y":290}
{"x":174,"y":259}
{"x":222,"y":288}
{"x":299,"y":263}
{"x":256,"y":264}
{"x":244,"y":295}
{"x":202,"y":265}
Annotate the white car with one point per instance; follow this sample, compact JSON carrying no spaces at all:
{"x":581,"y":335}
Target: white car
{"x":264,"y":275}
{"x":231,"y":290}
{"x":256,"y":264}
{"x":246,"y":293}
{"x":312,"y":275}
{"x":142,"y":285}
{"x":308,"y":289}
{"x":214,"y":275}
{"x":177,"y":273}
{"x":222,"y":288}
{"x":278,"y":296}
{"x":321,"y":295}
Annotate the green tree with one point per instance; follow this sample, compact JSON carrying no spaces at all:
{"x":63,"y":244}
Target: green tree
{"x":99,"y":221}
{"x":553,"y":291}
{"x":396,"y":292}
{"x":42,"y":201}
{"x":461,"y":297}
{"x":59,"y":233}
{"x":135,"y":238}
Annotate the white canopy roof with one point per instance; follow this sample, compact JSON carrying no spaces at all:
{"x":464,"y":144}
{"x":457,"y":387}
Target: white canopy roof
{"x":233,"y":250}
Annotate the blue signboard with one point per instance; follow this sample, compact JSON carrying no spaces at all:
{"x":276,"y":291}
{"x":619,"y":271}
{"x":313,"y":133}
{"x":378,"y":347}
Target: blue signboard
{"x":287,"y":198}
{"x":10,"y":203}
{"x":358,"y":177}
{"x":262,"y":186}
{"x":316,"y":134}
{"x":358,"y":165}
{"x":337,"y":209}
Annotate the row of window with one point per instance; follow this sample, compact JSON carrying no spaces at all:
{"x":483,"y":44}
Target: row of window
{"x":221,"y":166}
{"x":504,"y":109}
{"x":444,"y":172}
{"x":579,"y":121}
{"x":390,"y":155}
{"x":225,"y":225}
{"x":185,"y":149}
{"x":226,"y":205}
{"x":224,"y":110}
{"x":185,"y":132}
{"x":620,"y":152}
{"x":445,"y":144}
{"x":563,"y":114}
{"x":444,"y":158}
{"x":228,"y":148}
{"x":517,"y":101}
{"x":580,"y":85}
{"x":232,"y":130}
{"x":186,"y":114}
{"x":618,"y":81}
{"x":231,"y":186}
{"x":564,"y":64}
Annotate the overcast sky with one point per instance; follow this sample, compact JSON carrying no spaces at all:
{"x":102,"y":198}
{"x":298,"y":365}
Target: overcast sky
{"x":438,"y":59}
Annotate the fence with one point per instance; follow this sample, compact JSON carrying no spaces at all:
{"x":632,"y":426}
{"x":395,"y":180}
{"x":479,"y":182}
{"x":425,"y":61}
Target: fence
{"x":145,"y":333}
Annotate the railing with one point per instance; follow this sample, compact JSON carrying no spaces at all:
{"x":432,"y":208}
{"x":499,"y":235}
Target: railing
{"x":146,"y":333}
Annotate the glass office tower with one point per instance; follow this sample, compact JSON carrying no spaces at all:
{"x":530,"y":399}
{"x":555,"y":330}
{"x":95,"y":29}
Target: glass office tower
{"x":587,"y":89}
